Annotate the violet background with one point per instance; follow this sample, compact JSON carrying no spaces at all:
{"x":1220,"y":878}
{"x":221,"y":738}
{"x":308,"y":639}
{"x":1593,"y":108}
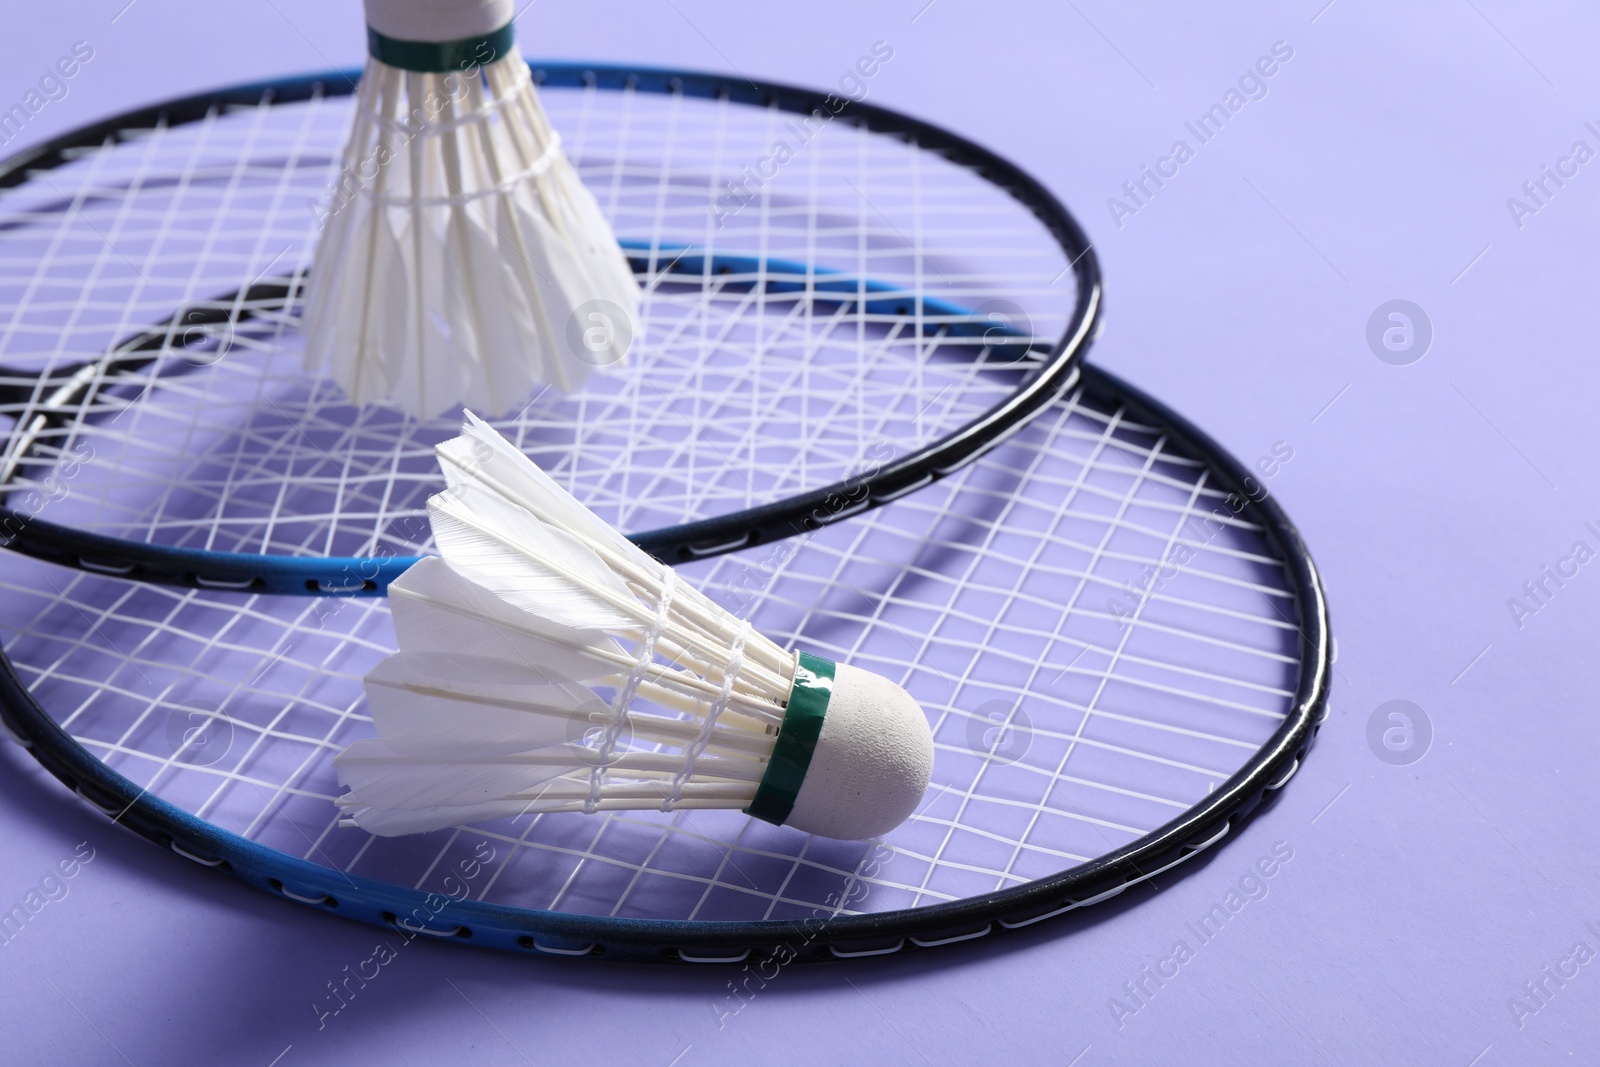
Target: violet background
{"x":1419,"y":899}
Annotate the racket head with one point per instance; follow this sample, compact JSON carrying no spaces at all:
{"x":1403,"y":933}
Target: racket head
{"x":1150,"y":731}
{"x":889,"y":284}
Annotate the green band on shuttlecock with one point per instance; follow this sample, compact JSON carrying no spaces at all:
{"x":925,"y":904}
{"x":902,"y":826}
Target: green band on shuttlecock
{"x":440,"y":57}
{"x":797,"y":740}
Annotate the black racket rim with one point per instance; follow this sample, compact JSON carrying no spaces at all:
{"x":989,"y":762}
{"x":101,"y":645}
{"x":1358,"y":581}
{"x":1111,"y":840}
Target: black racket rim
{"x":1055,"y":370}
{"x":417,"y":913}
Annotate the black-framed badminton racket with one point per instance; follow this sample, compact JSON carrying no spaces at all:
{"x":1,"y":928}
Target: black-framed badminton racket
{"x":1119,"y":639}
{"x":826,"y":326}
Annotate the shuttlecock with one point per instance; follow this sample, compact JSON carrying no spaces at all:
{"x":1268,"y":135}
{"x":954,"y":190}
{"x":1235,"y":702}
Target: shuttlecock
{"x":547,"y":664}
{"x":461,"y":259}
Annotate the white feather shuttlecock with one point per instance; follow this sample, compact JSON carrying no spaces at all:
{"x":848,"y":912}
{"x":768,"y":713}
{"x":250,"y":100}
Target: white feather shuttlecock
{"x":461,"y":260}
{"x":547,"y":664}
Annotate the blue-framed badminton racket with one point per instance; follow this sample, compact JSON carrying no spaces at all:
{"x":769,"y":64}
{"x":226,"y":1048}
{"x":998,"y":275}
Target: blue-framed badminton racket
{"x":1119,"y":639}
{"x":841,"y":305}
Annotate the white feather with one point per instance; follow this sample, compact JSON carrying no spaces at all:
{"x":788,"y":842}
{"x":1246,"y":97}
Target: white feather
{"x":393,"y":822}
{"x":436,"y":609}
{"x":528,"y":563}
{"x":443,"y":704}
{"x":381,"y":778}
{"x":482,"y":458}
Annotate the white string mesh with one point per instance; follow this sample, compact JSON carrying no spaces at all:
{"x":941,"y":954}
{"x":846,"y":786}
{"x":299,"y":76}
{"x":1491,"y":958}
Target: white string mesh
{"x":1097,"y":639}
{"x":742,"y":387}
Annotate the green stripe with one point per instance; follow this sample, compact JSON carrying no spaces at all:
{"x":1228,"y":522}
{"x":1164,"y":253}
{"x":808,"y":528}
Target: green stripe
{"x":797,"y":740}
{"x":437,"y":57}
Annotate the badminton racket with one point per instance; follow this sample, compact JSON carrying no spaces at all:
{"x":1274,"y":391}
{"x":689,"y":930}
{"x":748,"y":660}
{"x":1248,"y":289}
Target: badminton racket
{"x":841,"y":305}
{"x":1119,"y":639}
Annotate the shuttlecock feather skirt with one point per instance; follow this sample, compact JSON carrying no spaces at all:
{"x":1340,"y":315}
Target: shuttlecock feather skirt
{"x":462,"y":260}
{"x":487,"y":714}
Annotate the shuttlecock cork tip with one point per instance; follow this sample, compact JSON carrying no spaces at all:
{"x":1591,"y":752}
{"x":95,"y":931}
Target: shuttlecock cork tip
{"x":438,"y":20}
{"x":853,"y":757}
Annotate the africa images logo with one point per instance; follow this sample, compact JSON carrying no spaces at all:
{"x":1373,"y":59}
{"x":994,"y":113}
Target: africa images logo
{"x":1137,"y":192}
